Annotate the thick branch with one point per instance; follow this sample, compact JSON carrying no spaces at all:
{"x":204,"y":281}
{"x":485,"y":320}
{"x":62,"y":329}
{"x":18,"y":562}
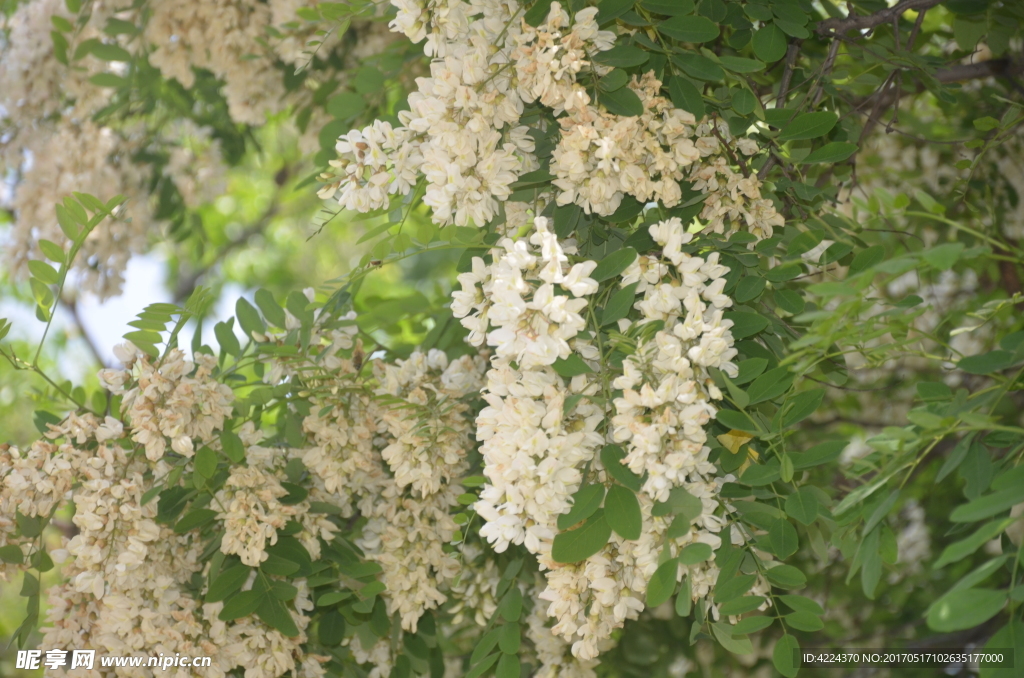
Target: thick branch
{"x":834,"y":27}
{"x":983,"y":69}
{"x":886,"y":97}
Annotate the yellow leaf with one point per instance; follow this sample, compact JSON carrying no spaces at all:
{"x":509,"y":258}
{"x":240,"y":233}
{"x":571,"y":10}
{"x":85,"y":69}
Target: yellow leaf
{"x":734,"y":440}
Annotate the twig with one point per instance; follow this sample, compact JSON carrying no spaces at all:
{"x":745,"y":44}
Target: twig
{"x":836,"y":27}
{"x":826,"y":69}
{"x":792,"y":52}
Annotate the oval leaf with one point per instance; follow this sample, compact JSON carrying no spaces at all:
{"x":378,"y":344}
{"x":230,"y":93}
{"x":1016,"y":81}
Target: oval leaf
{"x":622,"y":510}
{"x":583,"y":542}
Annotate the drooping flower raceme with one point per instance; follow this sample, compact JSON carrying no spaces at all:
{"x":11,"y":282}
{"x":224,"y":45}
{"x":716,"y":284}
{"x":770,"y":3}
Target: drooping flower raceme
{"x":539,"y":447}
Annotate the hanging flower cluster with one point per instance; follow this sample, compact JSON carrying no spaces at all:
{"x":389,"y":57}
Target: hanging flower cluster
{"x":538,"y":446}
{"x":463,"y":130}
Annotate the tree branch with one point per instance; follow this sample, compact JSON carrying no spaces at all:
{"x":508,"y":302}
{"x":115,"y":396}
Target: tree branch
{"x":188,"y":280}
{"x":836,"y":27}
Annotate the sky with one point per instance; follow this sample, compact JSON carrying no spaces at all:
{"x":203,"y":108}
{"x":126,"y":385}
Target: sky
{"x":106,"y":322}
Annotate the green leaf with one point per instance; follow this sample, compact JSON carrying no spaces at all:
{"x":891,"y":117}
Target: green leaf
{"x":583,"y":542}
{"x":43,"y":271}
{"x":619,"y":304}
{"x":832,"y":152}
{"x":571,"y":366}
{"x":745,"y":323}
{"x":943,"y":256}
{"x":783,"y":538}
{"x":484,"y":665}
{"x":669,"y":7}
{"x":663,"y":583}
{"x":232,"y":446}
{"x":733,"y":588}
{"x":345,"y":105}
{"x":802,"y":604}
{"x":743,"y":101}
{"x":242,"y":605}
{"x":331,"y":629}
{"x":12,"y":554}
{"x":809,"y":126}
{"x":771,"y":384}
{"x":784,"y":655}
{"x":622,"y":101}
{"x":959,"y":550}
{"x":736,"y":420}
{"x":769,"y":43}
{"x":622,"y":511}
{"x":866,"y":259}
{"x":248,"y":317}
{"x":566,"y":218}
{"x":789,"y":301}
{"x":695,"y":29}
{"x":699,"y":66}
{"x":205,"y":462}
{"x":511,"y":606}
{"x":67,"y":222}
{"x":742,"y":605}
{"x":614,"y":264}
{"x":691,"y":554}
{"x":171,"y":503}
{"x":804,"y":621}
{"x":802,"y":506}
{"x":610,"y":9}
{"x":278,"y":566}
{"x":53,"y":251}
{"x":741,"y":65}
{"x":750,"y":369}
{"x":585,"y":503}
{"x":964,"y":609}
{"x":611,"y":459}
{"x":108,"y":80}
{"x":753,"y":624}
{"x":684,"y":599}
{"x":272,"y":311}
{"x":275,"y":614}
{"x":508,"y":667}
{"x":987,"y":363}
{"x":749,"y":288}
{"x":680,"y":503}
{"x":802,"y":406}
{"x":614,"y":80}
{"x":786,"y":577}
{"x":509,"y":638}
{"x":822,"y":453}
{"x":108,"y":52}
{"x":194,"y":519}
{"x":227,"y":339}
{"x":737,"y":644}
{"x":536,"y":15}
{"x":686,"y":96}
{"x":227,"y":582}
{"x":332,"y":598}
{"x":988,"y":505}
{"x":622,"y":56}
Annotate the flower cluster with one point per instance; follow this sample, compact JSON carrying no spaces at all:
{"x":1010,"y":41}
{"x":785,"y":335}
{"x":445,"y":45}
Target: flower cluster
{"x":535,"y":447}
{"x":175,"y":399}
{"x":125,"y":576}
{"x":397,"y":456}
{"x":462,"y":131}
